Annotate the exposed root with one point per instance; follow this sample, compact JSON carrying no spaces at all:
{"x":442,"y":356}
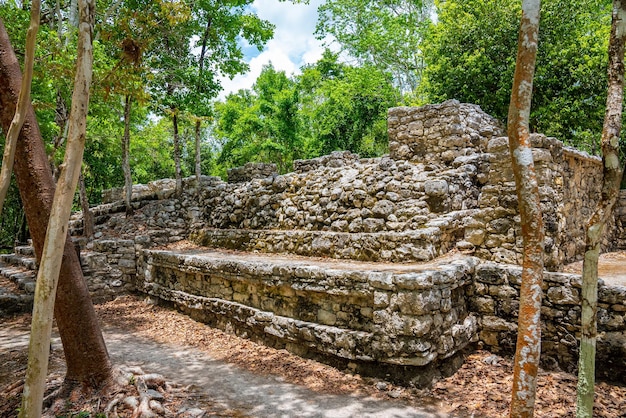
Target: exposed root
{"x":130,"y":394}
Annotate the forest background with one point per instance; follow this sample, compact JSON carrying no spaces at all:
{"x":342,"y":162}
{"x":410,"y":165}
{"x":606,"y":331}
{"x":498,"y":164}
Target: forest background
{"x":158,"y":67}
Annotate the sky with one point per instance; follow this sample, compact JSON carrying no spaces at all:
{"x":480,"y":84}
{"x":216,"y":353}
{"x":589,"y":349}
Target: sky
{"x":293,"y":45}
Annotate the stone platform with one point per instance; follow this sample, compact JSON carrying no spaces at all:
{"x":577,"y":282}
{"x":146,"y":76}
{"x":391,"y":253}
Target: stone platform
{"x":372,"y":315}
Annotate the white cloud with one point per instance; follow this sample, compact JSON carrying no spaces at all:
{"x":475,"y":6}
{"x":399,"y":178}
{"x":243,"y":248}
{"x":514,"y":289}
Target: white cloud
{"x":293,"y":45}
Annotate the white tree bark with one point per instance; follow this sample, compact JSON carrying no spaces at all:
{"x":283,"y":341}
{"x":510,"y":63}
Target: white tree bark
{"x":612,"y":175}
{"x":48,"y":275}
{"x":22,"y":103}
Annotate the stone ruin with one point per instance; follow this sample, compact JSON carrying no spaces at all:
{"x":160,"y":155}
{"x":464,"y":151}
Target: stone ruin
{"x":393,"y":265}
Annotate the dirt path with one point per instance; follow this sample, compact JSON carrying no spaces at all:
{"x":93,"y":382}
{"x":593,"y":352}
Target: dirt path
{"x":238,"y":389}
{"x":234,"y":377}
{"x":220,"y":386}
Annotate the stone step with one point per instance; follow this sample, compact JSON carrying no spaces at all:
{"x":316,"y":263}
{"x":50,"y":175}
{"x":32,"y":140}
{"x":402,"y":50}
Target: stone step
{"x":378,"y":313}
{"x":411,"y":246}
{"x":23,"y":278}
{"x":12,"y":299}
{"x":435,"y":238}
{"x":25,"y":261}
{"x":26,"y":250}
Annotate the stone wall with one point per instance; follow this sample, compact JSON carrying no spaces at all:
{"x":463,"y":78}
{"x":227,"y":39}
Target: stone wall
{"x":369,"y":209}
{"x":411,"y":317}
{"x":251,"y":171}
{"x":447,"y":184}
{"x":495,"y":298}
{"x":569,"y":186}
{"x":440,"y":133}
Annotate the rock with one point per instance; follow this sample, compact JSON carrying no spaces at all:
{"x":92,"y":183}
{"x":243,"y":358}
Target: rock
{"x":563,"y":295}
{"x":436,"y":188}
{"x":383,"y":209}
{"x":381,"y":386}
{"x":191,"y":413}
{"x":493,"y":360}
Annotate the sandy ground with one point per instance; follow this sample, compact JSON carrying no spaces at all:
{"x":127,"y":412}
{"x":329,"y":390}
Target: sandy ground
{"x":611,"y":268}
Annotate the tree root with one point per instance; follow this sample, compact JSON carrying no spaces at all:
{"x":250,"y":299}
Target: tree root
{"x":130,"y":393}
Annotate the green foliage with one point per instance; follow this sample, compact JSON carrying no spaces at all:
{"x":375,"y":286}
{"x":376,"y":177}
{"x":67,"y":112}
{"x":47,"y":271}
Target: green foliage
{"x":346,"y":107}
{"x":262,"y":124}
{"x":12,"y":222}
{"x":330,"y":106}
{"x":387,"y":35}
{"x":470,"y":56}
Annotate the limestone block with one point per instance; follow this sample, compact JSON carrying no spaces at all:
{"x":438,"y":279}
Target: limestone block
{"x":381,"y":299}
{"x":503,"y":291}
{"x":436,"y":188}
{"x":373,"y":225}
{"x":475,"y":236}
{"x":383,"y":209}
{"x":563,"y":295}
{"x":421,"y":325}
{"x":484,"y":305}
{"x":416,"y":303}
{"x":493,"y":323}
{"x":326,"y":317}
{"x":490,"y":274}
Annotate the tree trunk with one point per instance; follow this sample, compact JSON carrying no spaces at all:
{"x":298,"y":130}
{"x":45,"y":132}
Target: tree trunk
{"x":52,"y":255}
{"x":198,"y":157}
{"x":128,"y":179}
{"x":612,"y":175}
{"x":86,"y":356}
{"x":88,"y":224}
{"x":528,"y":347}
{"x":179,"y":180}
{"x":22,"y":104}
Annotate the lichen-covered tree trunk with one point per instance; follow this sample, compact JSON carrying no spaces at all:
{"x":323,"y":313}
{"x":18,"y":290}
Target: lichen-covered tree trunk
{"x":198,"y":156}
{"x":22,"y":103}
{"x":52,"y":255}
{"x":128,"y":179}
{"x":612,"y":175}
{"x":88,"y":223}
{"x":85,"y":353}
{"x":177,"y":154}
{"x":528,"y":347}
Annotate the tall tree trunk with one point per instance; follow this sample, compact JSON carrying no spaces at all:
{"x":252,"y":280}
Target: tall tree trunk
{"x":60,"y":118}
{"x":528,"y":347}
{"x":128,"y":179}
{"x":86,"y":355}
{"x":88,"y":224}
{"x":198,"y":157}
{"x":612,"y":175}
{"x":52,"y":255}
{"x":179,"y":180}
{"x":22,"y":104}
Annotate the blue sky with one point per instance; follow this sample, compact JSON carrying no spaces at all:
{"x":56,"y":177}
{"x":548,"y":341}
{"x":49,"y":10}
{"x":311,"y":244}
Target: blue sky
{"x":293,"y":45}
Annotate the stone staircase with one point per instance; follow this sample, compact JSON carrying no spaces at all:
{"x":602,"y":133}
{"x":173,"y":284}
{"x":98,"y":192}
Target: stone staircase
{"x":17,"y":280}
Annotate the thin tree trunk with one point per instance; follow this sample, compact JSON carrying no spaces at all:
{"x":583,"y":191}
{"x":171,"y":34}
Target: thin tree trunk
{"x":85,"y":353}
{"x":88,"y":224}
{"x":179,"y":180}
{"x":203,"y":50}
{"x":528,"y":347}
{"x":198,"y":157}
{"x":52,"y":256}
{"x":612,"y":175}
{"x":22,"y":104}
{"x":128,"y":179}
